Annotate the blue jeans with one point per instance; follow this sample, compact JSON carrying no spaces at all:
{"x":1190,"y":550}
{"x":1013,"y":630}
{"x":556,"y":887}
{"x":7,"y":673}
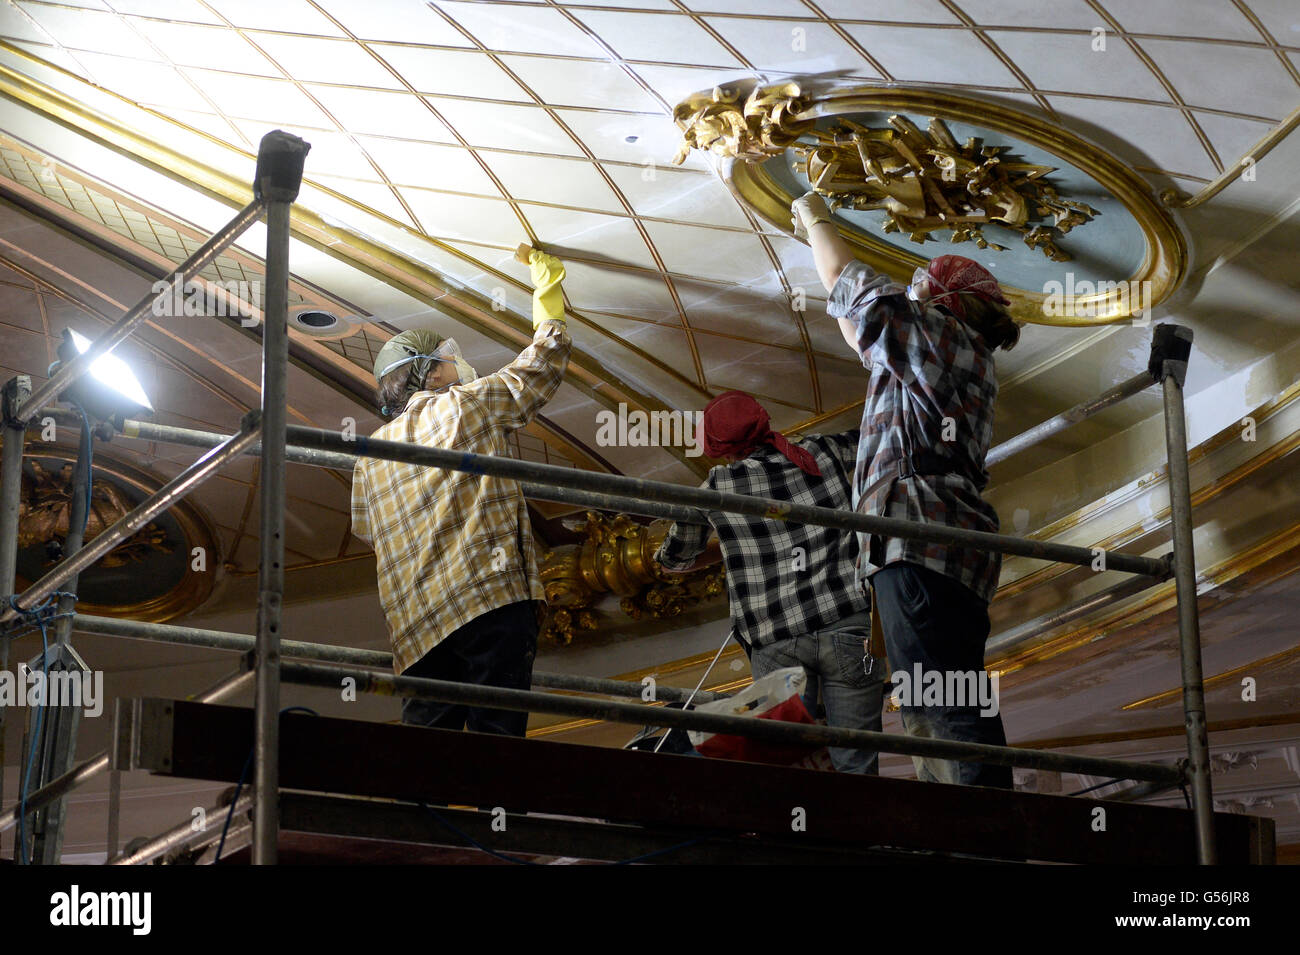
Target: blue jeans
{"x":932,"y":620}
{"x":834,"y":657}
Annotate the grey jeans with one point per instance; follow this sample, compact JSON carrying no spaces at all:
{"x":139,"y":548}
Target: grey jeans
{"x":834,"y":657}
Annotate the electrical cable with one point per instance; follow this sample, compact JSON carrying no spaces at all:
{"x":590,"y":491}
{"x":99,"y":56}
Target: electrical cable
{"x":243,"y":776}
{"x":39,"y":618}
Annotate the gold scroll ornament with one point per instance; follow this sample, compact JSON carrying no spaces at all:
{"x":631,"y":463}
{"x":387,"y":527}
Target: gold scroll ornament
{"x":924,"y":182}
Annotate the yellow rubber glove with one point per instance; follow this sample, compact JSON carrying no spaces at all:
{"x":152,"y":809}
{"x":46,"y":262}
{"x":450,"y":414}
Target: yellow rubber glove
{"x":548,"y":299}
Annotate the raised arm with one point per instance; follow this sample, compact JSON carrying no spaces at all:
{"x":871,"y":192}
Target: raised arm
{"x":813,"y":222}
{"x":514,"y":394}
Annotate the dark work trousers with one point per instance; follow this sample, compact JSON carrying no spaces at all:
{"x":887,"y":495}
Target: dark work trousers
{"x":494,"y":649}
{"x":932,"y":620}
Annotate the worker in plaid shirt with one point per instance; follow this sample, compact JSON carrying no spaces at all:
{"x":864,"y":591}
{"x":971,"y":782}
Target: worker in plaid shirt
{"x":454,"y":553}
{"x":926,"y":427}
{"x":795,"y":599}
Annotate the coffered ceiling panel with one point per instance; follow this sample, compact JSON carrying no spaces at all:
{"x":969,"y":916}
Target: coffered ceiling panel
{"x":320,"y":60}
{"x":519,"y":28}
{"x":387,"y":19}
{"x":1057,"y":15}
{"x":399,"y":116}
{"x":1222,"y":21}
{"x":603,"y":86}
{"x":1246,"y":78}
{"x":1069,"y":62}
{"x":466,"y":73}
{"x":553,"y":181}
{"x":296,"y":16}
{"x":686,"y":196}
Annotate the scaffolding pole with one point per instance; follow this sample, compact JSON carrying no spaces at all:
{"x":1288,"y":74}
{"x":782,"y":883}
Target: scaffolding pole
{"x":280,"y":160}
{"x":184,"y":835}
{"x":57,"y":740}
{"x":15,"y":393}
{"x":172,"y":492}
{"x":168,"y":434}
{"x":121,"y":330}
{"x":85,"y":771}
{"x":1068,"y":418}
{"x":1170,"y":349}
{"x":351,"y":656}
{"x":279,"y":172}
{"x":660,"y":491}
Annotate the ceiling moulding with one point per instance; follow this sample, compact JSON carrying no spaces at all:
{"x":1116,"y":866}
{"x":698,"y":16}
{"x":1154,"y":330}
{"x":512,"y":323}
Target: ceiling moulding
{"x":369,"y":256}
{"x":979,"y":175}
{"x":1128,"y":621}
{"x":1228,"y":458}
{"x":1229,"y":503}
{"x":1109,"y":521}
{"x":1179,"y":200}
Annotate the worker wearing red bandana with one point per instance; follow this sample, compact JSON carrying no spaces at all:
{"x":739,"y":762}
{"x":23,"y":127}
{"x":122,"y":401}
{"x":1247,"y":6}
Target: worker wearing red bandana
{"x":793,"y":589}
{"x":926,"y":427}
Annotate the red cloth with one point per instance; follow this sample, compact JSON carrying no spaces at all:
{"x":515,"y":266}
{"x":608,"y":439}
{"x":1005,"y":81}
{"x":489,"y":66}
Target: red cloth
{"x":951,"y":274}
{"x":735,"y":424}
{"x":792,"y":710}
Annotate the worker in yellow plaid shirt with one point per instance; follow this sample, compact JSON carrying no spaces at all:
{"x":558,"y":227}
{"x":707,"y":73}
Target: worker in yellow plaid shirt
{"x":454,"y":552}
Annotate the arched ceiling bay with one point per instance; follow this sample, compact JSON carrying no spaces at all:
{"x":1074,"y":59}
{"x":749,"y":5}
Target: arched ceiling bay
{"x":449,"y":132}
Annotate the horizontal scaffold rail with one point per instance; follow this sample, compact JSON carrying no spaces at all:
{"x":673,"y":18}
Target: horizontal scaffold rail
{"x":770,"y":731}
{"x":352,"y":656}
{"x":127,"y":526}
{"x":612,"y":492}
{"x":660,"y":491}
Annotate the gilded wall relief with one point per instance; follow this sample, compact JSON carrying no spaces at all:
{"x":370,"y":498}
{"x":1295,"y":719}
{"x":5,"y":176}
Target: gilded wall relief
{"x":1073,"y":235}
{"x":154,"y":575}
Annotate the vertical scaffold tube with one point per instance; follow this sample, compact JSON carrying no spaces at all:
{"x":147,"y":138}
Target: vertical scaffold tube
{"x":1170,"y":350}
{"x":279,"y":173}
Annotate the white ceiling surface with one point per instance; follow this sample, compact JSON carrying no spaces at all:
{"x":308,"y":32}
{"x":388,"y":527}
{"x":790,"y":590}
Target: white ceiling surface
{"x":473,"y":123}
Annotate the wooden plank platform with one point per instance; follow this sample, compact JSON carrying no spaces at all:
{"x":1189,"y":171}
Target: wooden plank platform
{"x":676,"y":794}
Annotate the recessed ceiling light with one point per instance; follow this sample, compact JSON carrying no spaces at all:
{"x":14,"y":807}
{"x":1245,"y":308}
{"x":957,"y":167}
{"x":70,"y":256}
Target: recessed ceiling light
{"x":316,"y":319}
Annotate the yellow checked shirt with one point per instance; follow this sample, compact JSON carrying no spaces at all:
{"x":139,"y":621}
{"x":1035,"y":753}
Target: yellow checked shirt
{"x":450,"y":546}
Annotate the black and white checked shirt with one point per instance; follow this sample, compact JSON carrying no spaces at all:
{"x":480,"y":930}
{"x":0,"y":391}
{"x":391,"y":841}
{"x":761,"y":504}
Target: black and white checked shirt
{"x":783,"y":579}
{"x":926,"y":426}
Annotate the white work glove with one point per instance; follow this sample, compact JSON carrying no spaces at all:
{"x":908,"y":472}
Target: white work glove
{"x":808,"y":210}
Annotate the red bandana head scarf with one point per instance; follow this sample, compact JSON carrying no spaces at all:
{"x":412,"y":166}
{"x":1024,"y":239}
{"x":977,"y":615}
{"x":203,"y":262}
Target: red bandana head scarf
{"x":950,"y":274}
{"x":735,"y":424}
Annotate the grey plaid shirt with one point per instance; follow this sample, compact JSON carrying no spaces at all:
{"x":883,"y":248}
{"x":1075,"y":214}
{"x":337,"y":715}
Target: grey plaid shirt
{"x":783,"y":579}
{"x":926,"y":426}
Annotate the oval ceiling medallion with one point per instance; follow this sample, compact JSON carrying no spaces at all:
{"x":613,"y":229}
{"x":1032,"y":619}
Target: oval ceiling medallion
{"x":166,"y":569}
{"x":1074,"y":236}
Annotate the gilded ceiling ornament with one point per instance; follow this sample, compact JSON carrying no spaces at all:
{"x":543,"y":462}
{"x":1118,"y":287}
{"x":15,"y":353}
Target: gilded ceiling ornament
{"x":45,"y":509}
{"x":927,"y":186}
{"x":618,"y":558}
{"x":743,"y":120}
{"x":925,"y":182}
